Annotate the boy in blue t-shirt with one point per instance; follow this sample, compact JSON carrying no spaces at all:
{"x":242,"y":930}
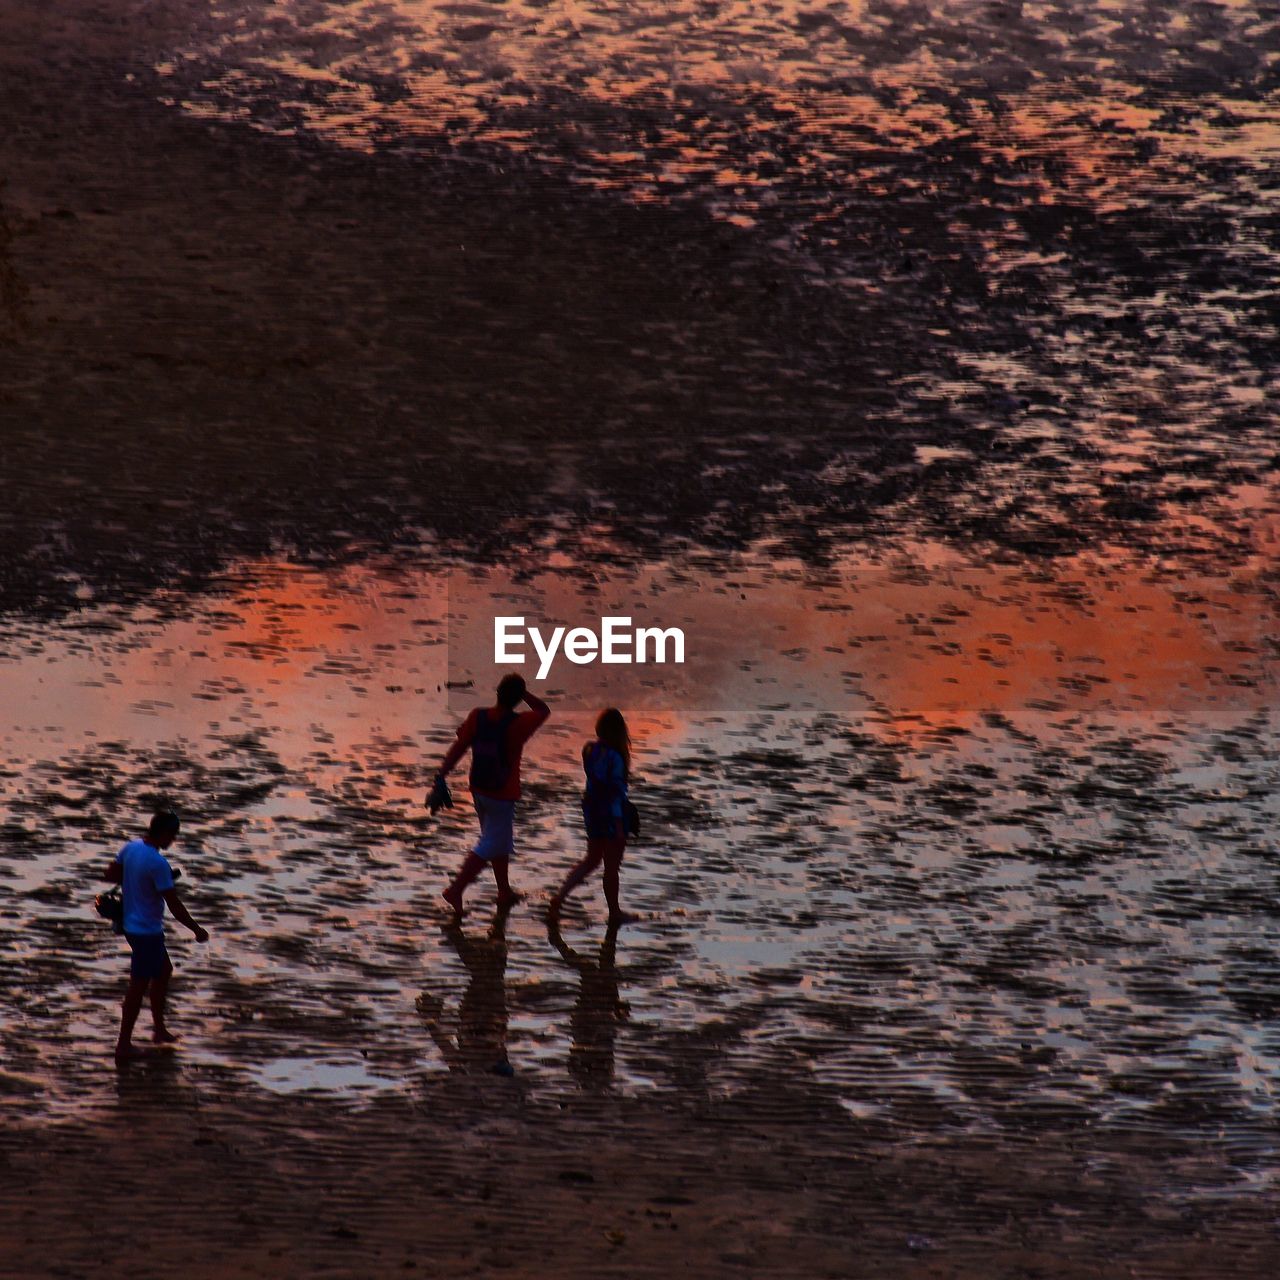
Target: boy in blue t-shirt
{"x":146,"y":881}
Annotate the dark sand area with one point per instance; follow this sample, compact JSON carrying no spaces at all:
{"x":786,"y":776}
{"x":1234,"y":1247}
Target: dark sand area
{"x":474,"y":1178}
{"x":218,"y":341}
{"x":230,"y":342}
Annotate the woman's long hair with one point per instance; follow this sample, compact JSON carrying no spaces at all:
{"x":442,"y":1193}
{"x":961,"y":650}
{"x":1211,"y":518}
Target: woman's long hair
{"x":611,"y":729}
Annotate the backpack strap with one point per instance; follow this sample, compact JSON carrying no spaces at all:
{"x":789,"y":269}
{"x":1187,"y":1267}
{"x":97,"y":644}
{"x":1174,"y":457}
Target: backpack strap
{"x":490,"y":758}
{"x":498,"y":728}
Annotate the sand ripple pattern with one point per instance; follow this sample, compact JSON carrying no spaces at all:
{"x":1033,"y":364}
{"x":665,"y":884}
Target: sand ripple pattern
{"x":1035,"y":237}
{"x":966,"y":916}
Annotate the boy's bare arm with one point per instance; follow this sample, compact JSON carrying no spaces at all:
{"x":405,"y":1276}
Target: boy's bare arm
{"x":114,"y":872}
{"x":536,"y":703}
{"x":183,"y":916}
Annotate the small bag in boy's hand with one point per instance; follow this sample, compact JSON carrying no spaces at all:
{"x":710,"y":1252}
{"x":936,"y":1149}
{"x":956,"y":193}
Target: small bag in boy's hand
{"x":110,"y":906}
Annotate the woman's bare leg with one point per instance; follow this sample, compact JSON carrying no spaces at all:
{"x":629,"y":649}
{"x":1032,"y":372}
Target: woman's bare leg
{"x":575,"y":877}
{"x":612,"y":870}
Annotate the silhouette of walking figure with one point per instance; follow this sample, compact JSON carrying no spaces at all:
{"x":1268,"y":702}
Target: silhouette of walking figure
{"x":147,"y":883}
{"x":607,"y":765}
{"x":495,"y":736}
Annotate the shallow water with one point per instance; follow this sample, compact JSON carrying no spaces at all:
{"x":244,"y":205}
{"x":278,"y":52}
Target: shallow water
{"x":983,"y":847}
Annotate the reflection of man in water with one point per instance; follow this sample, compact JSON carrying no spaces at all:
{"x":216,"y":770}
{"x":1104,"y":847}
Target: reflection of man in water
{"x":595,"y":1019}
{"x":479,"y":1042}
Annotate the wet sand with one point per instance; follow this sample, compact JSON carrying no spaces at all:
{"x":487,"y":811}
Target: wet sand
{"x":476,"y":1178}
{"x":941,"y":1028}
{"x":235,"y":342}
{"x":218,"y":345}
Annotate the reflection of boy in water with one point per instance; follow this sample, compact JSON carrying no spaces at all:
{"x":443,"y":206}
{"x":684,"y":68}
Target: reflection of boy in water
{"x":594,"y":1022}
{"x":495,"y":736}
{"x":480,"y":1041}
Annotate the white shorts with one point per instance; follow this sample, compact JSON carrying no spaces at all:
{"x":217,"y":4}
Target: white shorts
{"x":497,"y":834}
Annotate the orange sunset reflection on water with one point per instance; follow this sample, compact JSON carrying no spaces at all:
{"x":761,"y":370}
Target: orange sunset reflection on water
{"x":808,"y":805}
{"x":359,"y":654}
{"x":1111,"y":640}
{"x":942,"y":646}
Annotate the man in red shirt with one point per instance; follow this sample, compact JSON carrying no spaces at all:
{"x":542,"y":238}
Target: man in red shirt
{"x":495,"y":736}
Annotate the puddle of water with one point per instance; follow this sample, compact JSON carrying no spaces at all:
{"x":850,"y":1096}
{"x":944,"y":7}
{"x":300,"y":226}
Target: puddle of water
{"x":299,"y":1075}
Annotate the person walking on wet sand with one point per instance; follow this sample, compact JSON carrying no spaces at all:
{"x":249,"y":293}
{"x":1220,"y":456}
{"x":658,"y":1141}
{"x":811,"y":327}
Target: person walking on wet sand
{"x":607,"y":764}
{"x":146,"y":881}
{"x":495,"y":736}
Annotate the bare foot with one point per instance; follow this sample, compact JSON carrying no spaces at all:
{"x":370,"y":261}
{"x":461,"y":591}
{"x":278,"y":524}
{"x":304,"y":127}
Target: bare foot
{"x":622,"y":917}
{"x":128,"y":1053}
{"x":161,"y":1036}
{"x":454,"y":900}
{"x":508,"y":900}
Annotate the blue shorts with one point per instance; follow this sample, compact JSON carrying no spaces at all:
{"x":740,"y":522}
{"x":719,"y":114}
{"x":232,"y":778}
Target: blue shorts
{"x":150,"y":959}
{"x":497,"y":836}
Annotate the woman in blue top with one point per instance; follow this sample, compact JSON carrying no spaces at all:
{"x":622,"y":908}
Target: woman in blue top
{"x":607,"y":764}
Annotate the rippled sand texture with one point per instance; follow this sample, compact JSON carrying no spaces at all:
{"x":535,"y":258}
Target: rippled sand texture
{"x":813,"y":275}
{"x":1069,"y":205}
{"x":1026,"y":884}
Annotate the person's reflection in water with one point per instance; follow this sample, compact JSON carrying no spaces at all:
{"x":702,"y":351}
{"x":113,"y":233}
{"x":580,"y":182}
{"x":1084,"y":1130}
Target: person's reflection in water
{"x":598,"y":1012}
{"x":479,"y":1042}
{"x":158,"y":1081}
